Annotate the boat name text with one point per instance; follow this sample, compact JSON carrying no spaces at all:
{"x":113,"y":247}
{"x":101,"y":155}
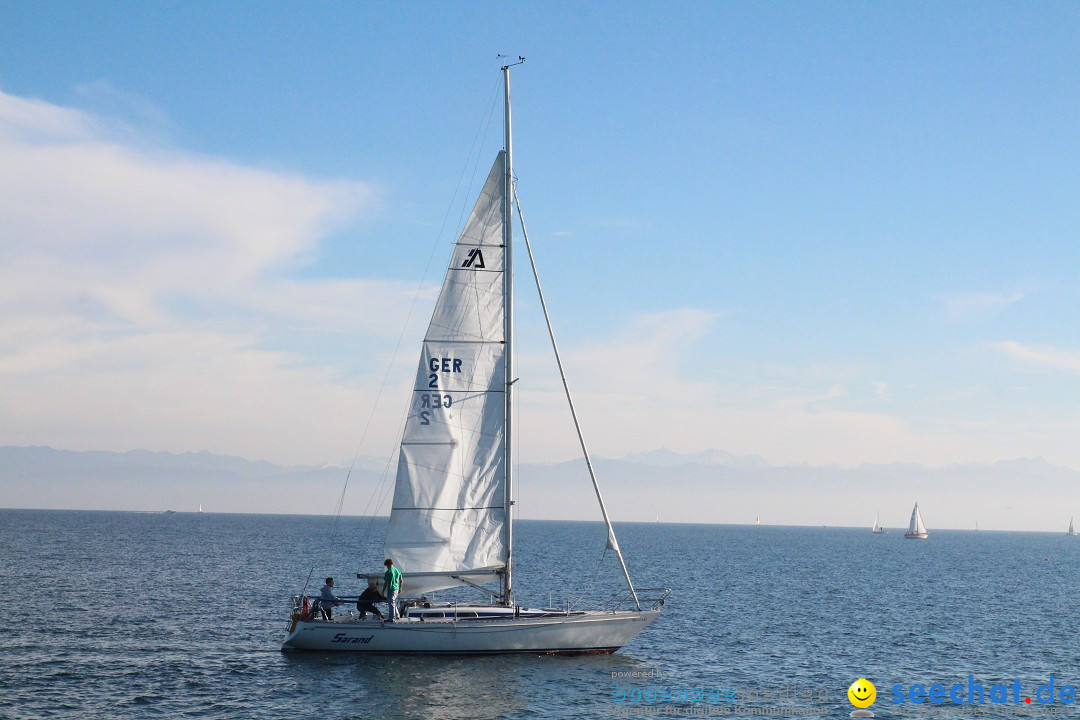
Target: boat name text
{"x":343,"y":638}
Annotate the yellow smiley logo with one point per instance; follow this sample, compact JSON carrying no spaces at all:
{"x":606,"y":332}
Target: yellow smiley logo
{"x":862,"y":693}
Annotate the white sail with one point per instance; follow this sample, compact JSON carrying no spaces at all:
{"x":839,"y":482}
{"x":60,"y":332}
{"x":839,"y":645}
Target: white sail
{"x":1071,"y":530}
{"x":916,"y":527}
{"x":877,"y":524}
{"x":448,"y":512}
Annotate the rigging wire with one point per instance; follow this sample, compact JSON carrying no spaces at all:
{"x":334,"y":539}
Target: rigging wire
{"x":596,"y":572}
{"x":611,"y":541}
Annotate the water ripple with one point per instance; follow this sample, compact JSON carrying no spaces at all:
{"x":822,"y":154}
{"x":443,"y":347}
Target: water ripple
{"x":130,"y":615}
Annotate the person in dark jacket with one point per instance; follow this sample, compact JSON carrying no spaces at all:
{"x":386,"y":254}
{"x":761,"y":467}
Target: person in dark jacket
{"x":366,"y":602}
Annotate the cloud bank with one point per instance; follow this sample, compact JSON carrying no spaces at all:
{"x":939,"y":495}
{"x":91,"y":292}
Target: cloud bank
{"x":155,"y":298}
{"x":145,"y":294}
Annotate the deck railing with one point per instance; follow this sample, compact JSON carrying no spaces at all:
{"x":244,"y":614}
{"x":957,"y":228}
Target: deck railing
{"x":651,"y":598}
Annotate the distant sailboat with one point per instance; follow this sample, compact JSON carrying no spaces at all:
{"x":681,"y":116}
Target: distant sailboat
{"x":878,"y":530}
{"x":757,"y":519}
{"x":1072,"y":531}
{"x":916,"y":529}
{"x":976,"y":526}
{"x":200,"y":507}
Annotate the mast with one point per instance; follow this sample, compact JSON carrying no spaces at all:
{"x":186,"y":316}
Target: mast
{"x":508,"y":338}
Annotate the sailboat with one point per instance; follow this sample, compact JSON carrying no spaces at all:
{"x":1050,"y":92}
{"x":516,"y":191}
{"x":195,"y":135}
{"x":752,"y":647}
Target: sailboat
{"x":877,"y":529}
{"x":1072,"y":530}
{"x":451,"y":522}
{"x":916,"y":529}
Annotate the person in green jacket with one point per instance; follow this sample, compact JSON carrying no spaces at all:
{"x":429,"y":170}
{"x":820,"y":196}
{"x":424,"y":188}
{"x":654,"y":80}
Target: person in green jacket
{"x":392,"y":582}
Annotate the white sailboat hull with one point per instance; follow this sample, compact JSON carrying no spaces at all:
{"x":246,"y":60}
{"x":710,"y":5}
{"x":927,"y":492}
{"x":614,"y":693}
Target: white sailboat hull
{"x":589,"y":632}
{"x":916,"y":535}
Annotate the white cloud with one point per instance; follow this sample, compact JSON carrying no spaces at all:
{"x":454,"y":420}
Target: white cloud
{"x":649,"y":385}
{"x":978,"y":305}
{"x":148,"y":298}
{"x":881,"y":389}
{"x":26,"y":120}
{"x":1041,"y":356}
{"x":142,"y":291}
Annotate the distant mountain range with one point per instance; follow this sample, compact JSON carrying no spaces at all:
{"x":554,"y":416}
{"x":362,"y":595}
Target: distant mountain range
{"x":41,"y":477}
{"x":667,"y":458}
{"x":707,"y":487}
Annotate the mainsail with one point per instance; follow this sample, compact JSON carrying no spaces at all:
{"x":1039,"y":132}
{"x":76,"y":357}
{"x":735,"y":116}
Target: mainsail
{"x":448,"y":514}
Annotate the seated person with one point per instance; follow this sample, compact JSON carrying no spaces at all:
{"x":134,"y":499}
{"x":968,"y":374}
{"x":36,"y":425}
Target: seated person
{"x":366,"y":602}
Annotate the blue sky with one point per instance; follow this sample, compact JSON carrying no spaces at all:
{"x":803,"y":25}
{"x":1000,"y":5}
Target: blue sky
{"x":825,"y":233}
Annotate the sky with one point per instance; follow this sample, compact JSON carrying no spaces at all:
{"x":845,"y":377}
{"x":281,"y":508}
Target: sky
{"x":829,"y":233}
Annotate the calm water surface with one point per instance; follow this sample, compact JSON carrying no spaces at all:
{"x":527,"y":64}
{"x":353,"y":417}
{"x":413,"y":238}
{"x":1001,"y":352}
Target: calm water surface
{"x":129,"y":615}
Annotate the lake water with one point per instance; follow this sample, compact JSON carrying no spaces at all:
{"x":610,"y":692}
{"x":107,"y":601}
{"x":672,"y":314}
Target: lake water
{"x":129,"y":615}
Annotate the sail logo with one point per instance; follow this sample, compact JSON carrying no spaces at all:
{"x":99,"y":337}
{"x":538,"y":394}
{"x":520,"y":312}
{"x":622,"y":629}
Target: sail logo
{"x":475,"y":260}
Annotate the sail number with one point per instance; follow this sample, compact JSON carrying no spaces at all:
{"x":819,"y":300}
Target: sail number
{"x":435,"y":401}
{"x":438,"y":365}
{"x":432,"y":401}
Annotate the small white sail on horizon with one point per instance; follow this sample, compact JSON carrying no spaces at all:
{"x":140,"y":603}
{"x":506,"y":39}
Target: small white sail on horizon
{"x":916,"y":528}
{"x":1072,"y":531}
{"x":877,"y":529}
